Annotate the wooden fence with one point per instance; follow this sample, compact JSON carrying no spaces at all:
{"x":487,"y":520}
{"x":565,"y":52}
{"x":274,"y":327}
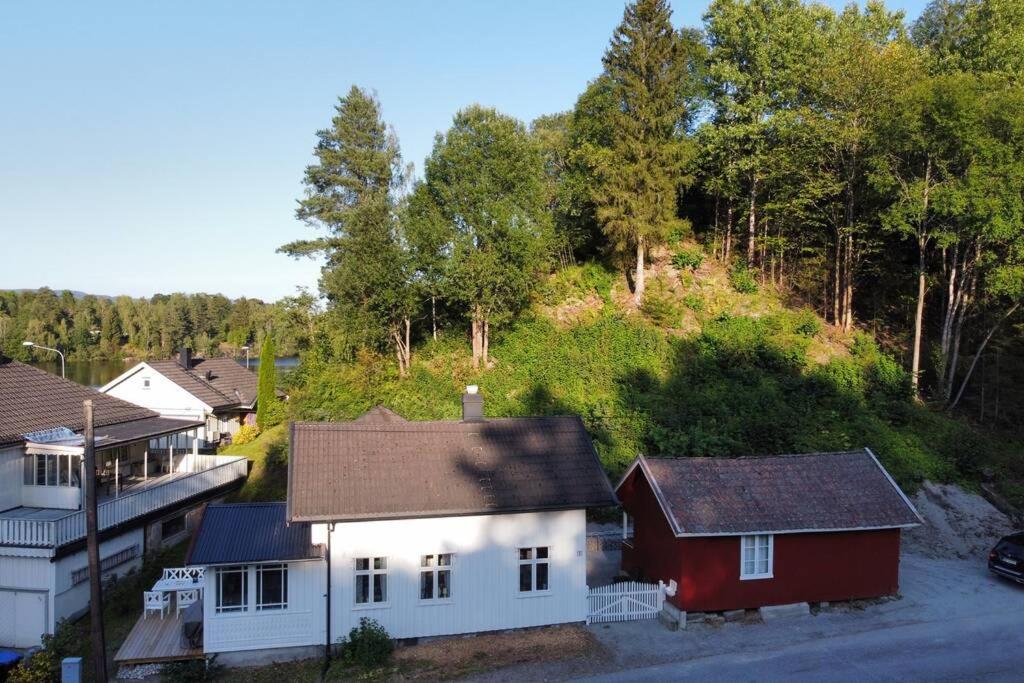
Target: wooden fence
{"x":627,"y":601}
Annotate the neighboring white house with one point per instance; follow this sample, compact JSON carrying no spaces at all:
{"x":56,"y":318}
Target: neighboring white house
{"x":148,"y":495}
{"x":430,"y":528}
{"x":217,"y":391}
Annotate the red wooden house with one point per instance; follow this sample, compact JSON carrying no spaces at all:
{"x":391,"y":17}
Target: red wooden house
{"x":754,"y":531}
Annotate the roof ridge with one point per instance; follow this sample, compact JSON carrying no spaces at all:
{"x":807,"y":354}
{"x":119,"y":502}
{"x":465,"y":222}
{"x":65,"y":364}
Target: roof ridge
{"x":855,"y":451}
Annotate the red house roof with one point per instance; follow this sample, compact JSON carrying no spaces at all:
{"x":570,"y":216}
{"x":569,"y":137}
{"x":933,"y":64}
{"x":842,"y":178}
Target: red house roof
{"x":777,"y":494}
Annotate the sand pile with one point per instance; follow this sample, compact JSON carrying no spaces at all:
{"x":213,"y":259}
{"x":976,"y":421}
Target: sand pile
{"x":958,"y":523}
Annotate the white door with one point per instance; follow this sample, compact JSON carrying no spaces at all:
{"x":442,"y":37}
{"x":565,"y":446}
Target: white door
{"x":24,"y":617}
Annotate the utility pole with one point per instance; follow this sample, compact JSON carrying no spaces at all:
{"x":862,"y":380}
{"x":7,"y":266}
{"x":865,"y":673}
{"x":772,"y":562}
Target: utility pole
{"x":99,"y":645}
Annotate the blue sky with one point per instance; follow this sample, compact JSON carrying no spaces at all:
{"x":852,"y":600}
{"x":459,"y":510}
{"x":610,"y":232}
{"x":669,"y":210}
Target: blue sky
{"x":150,"y":147}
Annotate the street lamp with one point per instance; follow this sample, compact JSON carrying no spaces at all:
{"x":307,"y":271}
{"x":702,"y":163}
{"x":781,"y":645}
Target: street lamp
{"x":47,"y":348}
{"x":246,"y":349}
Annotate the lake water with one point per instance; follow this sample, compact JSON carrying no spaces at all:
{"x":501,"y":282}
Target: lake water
{"x":96,"y":373}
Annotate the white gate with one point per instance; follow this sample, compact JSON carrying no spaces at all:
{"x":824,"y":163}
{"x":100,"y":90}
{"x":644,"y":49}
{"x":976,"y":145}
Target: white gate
{"x":627,"y":601}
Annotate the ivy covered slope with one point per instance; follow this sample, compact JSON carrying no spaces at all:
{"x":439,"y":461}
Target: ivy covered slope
{"x":710,"y":366}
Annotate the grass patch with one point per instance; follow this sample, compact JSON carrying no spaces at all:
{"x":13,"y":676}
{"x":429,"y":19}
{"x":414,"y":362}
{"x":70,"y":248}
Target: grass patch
{"x":268,"y":475}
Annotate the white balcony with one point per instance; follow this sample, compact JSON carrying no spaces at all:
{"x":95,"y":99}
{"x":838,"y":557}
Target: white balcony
{"x":52,"y":528}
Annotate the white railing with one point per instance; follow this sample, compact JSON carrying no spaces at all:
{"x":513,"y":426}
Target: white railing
{"x":625,"y":601}
{"x":212,"y":472}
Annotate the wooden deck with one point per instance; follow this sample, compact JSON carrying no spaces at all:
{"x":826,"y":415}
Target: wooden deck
{"x":153,"y":639}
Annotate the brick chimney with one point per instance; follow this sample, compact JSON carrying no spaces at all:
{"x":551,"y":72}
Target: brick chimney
{"x":185,"y":358}
{"x":472,"y":405}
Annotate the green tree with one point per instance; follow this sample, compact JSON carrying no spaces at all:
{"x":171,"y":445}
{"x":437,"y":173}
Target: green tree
{"x":351,"y":192}
{"x":640,"y":175}
{"x":266,"y":385}
{"x":484,"y":182}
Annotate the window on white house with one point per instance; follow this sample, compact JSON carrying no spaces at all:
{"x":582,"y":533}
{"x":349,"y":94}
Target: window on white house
{"x":533,"y":569}
{"x":51,"y":469}
{"x":232,"y":589}
{"x":436,"y":577}
{"x":271,"y":587}
{"x":756,"y":557}
{"x":371,"y":580}
{"x":145,"y":383}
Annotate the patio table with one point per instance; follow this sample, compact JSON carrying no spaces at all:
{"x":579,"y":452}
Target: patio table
{"x":175,"y":585}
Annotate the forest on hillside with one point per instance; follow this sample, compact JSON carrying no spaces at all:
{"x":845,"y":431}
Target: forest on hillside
{"x":865,"y":168}
{"x":88,"y":327}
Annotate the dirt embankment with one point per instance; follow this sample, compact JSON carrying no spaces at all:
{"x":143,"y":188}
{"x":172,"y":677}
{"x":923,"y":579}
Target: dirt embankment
{"x":958,"y":524}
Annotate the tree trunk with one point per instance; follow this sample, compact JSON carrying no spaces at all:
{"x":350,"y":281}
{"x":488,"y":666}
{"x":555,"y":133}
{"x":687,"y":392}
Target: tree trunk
{"x":922,"y":246}
{"x":477,"y":333}
{"x":638,"y":291}
{"x":728,"y":233}
{"x":433,"y":316}
{"x":752,"y":223}
{"x":837,"y":279}
{"x":714,"y":242}
{"x":486,"y":341}
{"x":848,"y":284}
{"x":977,"y":354}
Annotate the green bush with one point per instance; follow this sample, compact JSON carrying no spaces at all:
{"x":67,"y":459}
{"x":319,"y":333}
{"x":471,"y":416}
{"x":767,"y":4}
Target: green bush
{"x":44,"y":666}
{"x":661,"y":305}
{"x":367,"y":645}
{"x":807,"y":324}
{"x":245,"y":434}
{"x":577,"y":282}
{"x":191,"y":671}
{"x":687,"y":259}
{"x":742,"y":280}
{"x":695,"y":302}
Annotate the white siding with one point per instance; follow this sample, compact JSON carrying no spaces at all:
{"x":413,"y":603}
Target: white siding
{"x":12,"y":473}
{"x":302,"y":623}
{"x":69,"y":600}
{"x":26,"y":598}
{"x":162,"y":396}
{"x":485,"y":578}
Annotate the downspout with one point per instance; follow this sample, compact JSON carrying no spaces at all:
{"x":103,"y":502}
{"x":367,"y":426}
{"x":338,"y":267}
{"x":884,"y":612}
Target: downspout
{"x":327,"y":637}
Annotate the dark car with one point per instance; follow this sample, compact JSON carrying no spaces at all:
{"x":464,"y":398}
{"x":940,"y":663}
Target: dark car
{"x":1007,"y":558}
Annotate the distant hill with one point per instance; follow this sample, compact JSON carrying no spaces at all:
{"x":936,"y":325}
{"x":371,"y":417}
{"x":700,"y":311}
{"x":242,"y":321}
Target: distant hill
{"x":74,"y":292}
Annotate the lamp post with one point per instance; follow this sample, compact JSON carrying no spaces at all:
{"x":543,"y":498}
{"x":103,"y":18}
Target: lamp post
{"x":246,"y":349}
{"x":47,"y":348}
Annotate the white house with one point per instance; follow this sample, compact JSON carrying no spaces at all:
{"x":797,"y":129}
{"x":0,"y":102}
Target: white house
{"x":430,"y":528}
{"x":216,"y":391}
{"x":148,"y":495}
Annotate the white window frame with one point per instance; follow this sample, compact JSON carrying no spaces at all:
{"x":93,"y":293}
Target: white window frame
{"x":533,"y":561}
{"x":372,"y":571}
{"x":267,"y":569}
{"x":762,"y":568}
{"x":220,"y":607}
{"x":431,"y":565}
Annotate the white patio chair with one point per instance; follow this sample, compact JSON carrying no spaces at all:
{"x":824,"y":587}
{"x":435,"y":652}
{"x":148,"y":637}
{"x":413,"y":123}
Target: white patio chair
{"x":156,"y":601}
{"x":186,"y":599}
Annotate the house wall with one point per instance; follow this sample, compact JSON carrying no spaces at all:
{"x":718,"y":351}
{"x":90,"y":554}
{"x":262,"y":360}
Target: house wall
{"x":302,"y":623}
{"x":70,"y":600}
{"x":485,"y":572}
{"x":806,"y":568}
{"x":648,"y":557}
{"x":12,"y":474}
{"x":162,"y":396}
{"x":26,"y":596}
{"x":811,"y":567}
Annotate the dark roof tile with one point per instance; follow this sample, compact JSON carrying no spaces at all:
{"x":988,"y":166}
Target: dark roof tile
{"x":818,"y":491}
{"x":230,"y":384}
{"x":388,"y":469}
{"x":32,"y":400}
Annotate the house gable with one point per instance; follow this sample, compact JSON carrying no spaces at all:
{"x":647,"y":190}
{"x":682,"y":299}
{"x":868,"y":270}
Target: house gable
{"x":161,"y":395}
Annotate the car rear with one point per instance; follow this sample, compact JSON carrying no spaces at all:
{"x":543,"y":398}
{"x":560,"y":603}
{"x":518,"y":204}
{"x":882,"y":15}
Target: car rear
{"x":1007,"y":558}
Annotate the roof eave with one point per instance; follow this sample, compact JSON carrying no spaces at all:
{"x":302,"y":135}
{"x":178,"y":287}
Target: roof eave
{"x":783,"y":532}
{"x":376,"y":516}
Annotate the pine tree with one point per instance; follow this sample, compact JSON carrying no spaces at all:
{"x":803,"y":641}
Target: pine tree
{"x":640,"y":175}
{"x":266,"y":385}
{"x":351,"y":193}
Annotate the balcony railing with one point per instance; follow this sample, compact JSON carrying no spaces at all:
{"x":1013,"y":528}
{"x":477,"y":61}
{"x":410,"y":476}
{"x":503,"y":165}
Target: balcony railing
{"x":211,"y":472}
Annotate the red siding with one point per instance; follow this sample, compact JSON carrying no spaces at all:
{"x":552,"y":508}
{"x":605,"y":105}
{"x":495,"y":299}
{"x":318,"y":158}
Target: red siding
{"x":811,"y":567}
{"x":652,"y":557}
